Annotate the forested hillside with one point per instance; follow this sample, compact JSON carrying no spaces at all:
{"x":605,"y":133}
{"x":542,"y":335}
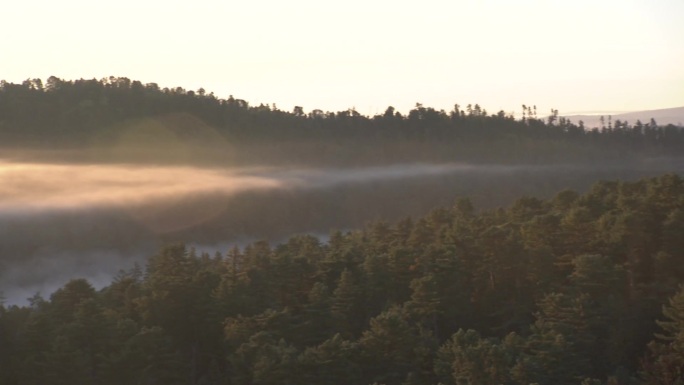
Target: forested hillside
{"x":100,"y":113}
{"x":558,"y":291}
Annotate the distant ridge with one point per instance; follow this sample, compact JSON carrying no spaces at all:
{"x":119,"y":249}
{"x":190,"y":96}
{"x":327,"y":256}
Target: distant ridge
{"x":663,"y":117}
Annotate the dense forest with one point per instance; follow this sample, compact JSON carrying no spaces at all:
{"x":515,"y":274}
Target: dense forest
{"x":577,"y":289}
{"x":103,"y":113}
{"x":574,"y":288}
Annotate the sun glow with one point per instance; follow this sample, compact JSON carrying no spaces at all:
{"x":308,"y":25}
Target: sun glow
{"x":572,"y":56}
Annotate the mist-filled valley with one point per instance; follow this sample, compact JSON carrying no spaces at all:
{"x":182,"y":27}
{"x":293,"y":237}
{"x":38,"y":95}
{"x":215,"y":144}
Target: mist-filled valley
{"x":165,"y":236}
{"x":63,"y":220}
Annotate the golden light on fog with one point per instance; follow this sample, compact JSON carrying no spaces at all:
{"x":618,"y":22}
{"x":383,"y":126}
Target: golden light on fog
{"x":44,"y":186}
{"x":170,"y":198}
{"x":149,"y":193}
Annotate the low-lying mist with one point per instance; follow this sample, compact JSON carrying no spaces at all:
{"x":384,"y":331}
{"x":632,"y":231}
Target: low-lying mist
{"x":65,"y":220}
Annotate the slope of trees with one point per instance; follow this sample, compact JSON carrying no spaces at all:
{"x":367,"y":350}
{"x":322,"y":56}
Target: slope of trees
{"x":559,"y":291}
{"x":93,"y":112}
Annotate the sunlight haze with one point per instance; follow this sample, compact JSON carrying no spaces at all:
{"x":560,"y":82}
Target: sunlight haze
{"x":573,"y":56}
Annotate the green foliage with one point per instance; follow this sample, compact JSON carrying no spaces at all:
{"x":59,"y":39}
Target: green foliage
{"x":120,"y":116}
{"x":664,"y":363}
{"x":346,"y":305}
{"x":546,"y":292}
{"x":389,"y":347}
{"x":332,"y":362}
{"x":469,"y":359}
{"x":264,"y":360}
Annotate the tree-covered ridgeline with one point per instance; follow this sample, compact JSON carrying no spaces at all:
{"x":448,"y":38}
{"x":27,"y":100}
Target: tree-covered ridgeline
{"x":94,"y":112}
{"x":577,"y":289}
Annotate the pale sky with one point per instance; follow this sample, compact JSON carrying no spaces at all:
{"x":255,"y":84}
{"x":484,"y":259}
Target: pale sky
{"x":575,"y":56}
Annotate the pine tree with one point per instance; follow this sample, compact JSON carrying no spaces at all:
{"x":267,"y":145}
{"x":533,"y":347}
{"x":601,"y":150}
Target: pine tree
{"x":334,"y":361}
{"x":347,"y":305}
{"x":467,"y":358}
{"x":388,"y":348}
{"x":561,"y":342}
{"x":425,"y":303}
{"x":664,"y":363}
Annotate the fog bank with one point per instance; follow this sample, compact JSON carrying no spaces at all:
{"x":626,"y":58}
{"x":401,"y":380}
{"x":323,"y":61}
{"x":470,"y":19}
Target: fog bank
{"x":63,"y":221}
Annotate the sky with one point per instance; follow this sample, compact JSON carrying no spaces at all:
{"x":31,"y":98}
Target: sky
{"x":579,"y":56}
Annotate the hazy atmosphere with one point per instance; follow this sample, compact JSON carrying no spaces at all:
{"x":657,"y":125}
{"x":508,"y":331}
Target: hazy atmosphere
{"x":60,"y":221}
{"x":306,"y":192}
{"x":578,"y":57}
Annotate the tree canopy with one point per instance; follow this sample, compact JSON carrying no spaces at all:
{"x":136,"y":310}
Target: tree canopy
{"x":558,"y":291}
{"x":90,"y":112}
